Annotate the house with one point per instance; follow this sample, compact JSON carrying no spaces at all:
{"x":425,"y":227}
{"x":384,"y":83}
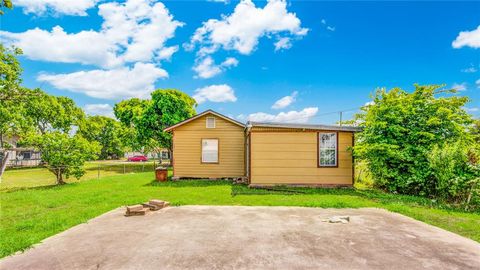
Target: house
{"x":211,"y":145}
{"x":163,"y":155}
{"x":208,"y":145}
{"x":19,"y":156}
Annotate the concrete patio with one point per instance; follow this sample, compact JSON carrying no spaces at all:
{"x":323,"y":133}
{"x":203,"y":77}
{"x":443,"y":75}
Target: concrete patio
{"x":231,"y":237}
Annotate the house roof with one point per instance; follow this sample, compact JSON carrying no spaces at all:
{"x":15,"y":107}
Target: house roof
{"x":304,"y":126}
{"x":202,"y":114}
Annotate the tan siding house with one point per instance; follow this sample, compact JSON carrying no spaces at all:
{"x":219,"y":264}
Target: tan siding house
{"x":208,"y":145}
{"x":211,"y":145}
{"x":291,"y":156}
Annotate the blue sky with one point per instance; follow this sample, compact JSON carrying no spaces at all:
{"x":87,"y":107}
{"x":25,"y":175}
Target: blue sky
{"x":294,"y":61}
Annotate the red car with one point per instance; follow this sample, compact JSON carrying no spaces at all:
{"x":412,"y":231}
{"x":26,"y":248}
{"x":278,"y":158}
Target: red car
{"x":137,"y":158}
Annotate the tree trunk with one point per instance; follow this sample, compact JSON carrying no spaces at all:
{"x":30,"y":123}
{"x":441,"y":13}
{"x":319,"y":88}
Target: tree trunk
{"x":170,"y":156}
{"x":60,"y":177}
{"x":3,"y":164}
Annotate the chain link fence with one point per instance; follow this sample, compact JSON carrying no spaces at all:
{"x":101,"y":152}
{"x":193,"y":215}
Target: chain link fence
{"x":41,"y":176}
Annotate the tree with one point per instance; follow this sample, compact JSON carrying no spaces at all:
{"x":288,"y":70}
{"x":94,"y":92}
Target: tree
{"x":107,"y":132}
{"x":11,"y":107}
{"x":167,"y":107}
{"x":47,"y":112}
{"x":400,"y":129}
{"x":10,"y":93}
{"x":129,"y":112}
{"x":5,"y":4}
{"x":147,"y":119}
{"x":64,"y":155}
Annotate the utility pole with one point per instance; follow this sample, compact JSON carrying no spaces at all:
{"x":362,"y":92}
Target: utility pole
{"x":341,"y":117}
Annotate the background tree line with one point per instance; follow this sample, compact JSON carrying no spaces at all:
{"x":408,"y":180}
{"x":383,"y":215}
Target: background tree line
{"x":67,"y":137}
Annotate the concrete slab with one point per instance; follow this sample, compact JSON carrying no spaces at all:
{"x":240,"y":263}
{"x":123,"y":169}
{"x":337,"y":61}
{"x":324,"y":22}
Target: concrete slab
{"x":229,"y":237}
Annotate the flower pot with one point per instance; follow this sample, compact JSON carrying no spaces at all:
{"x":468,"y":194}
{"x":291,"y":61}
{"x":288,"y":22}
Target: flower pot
{"x":161,"y":174}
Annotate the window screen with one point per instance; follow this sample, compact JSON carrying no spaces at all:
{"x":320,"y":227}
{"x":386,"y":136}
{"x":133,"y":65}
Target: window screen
{"x":327,"y":149}
{"x":210,"y":122}
{"x":210,"y":150}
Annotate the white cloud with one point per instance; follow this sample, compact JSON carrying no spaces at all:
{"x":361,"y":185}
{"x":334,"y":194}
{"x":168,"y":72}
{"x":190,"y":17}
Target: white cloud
{"x":41,"y":7}
{"x":328,"y":27}
{"x":112,"y":84}
{"x":460,"y":86}
{"x":135,"y":30}
{"x":59,"y":46}
{"x":283,"y":43}
{"x":230,"y":62}
{"x":206,"y":67}
{"x":472,"y":109}
{"x":369,"y":103}
{"x":302,"y":116}
{"x":99,"y":109}
{"x":285,"y":101}
{"x":241,"y":30}
{"x":215,"y":93}
{"x":470,"y":69}
{"x":467,"y":38}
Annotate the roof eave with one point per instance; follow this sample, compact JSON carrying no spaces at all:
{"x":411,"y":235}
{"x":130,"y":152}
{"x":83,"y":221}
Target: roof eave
{"x":170,"y":128}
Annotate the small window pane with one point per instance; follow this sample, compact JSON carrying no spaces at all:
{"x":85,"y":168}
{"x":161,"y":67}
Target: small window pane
{"x":328,"y":149}
{"x":210,"y":122}
{"x":210,"y":150}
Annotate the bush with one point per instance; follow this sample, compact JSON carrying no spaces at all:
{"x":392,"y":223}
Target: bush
{"x":456,"y":172}
{"x":400,"y":130}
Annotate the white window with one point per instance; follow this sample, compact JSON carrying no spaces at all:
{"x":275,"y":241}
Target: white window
{"x":209,"y":150}
{"x":210,"y":122}
{"x":327,"y":143}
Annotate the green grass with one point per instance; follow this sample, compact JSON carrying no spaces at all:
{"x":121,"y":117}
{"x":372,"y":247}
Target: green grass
{"x":35,"y":177}
{"x":31,"y":214}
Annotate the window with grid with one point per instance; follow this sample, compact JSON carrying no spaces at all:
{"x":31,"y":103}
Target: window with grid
{"x":210,"y":122}
{"x":209,"y":150}
{"x":327,"y":149}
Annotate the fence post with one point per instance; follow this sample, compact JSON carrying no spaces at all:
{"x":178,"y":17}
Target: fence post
{"x":154,"y":164}
{"x":143,"y":166}
{"x":98,"y":172}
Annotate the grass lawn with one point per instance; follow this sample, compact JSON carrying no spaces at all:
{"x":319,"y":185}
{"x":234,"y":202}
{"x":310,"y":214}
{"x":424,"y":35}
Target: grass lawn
{"x":32,"y":214}
{"x":34,"y":177}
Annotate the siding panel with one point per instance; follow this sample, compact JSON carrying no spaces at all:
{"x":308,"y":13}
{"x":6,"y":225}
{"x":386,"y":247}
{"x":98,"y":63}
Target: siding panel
{"x":291,"y":158}
{"x":187,"y":149}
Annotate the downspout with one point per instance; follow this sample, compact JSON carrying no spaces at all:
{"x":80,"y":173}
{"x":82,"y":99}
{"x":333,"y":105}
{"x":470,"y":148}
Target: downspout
{"x":247,"y":150}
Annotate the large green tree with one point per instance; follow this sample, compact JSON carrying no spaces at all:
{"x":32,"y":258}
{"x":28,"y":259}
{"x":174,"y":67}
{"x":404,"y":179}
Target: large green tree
{"x":167,"y":107}
{"x":64,"y":155}
{"x":148,"y":118}
{"x":107,"y":132}
{"x":400,"y":129}
{"x":47,"y":112}
{"x":11,"y":93}
{"x":129,"y":112}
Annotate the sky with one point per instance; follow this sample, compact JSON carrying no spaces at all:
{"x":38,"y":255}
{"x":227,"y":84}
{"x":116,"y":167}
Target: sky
{"x":286,"y":61}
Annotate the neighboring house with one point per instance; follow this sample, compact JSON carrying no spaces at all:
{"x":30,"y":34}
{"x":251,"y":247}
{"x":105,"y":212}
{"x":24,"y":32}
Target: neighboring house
{"x":211,"y":145}
{"x":164,"y":154}
{"x":20,"y":156}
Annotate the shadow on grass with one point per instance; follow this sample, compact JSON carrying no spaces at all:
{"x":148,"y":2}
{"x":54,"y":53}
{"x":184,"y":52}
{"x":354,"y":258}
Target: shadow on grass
{"x":44,"y":187}
{"x":370,"y":194}
{"x":190,"y":183}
